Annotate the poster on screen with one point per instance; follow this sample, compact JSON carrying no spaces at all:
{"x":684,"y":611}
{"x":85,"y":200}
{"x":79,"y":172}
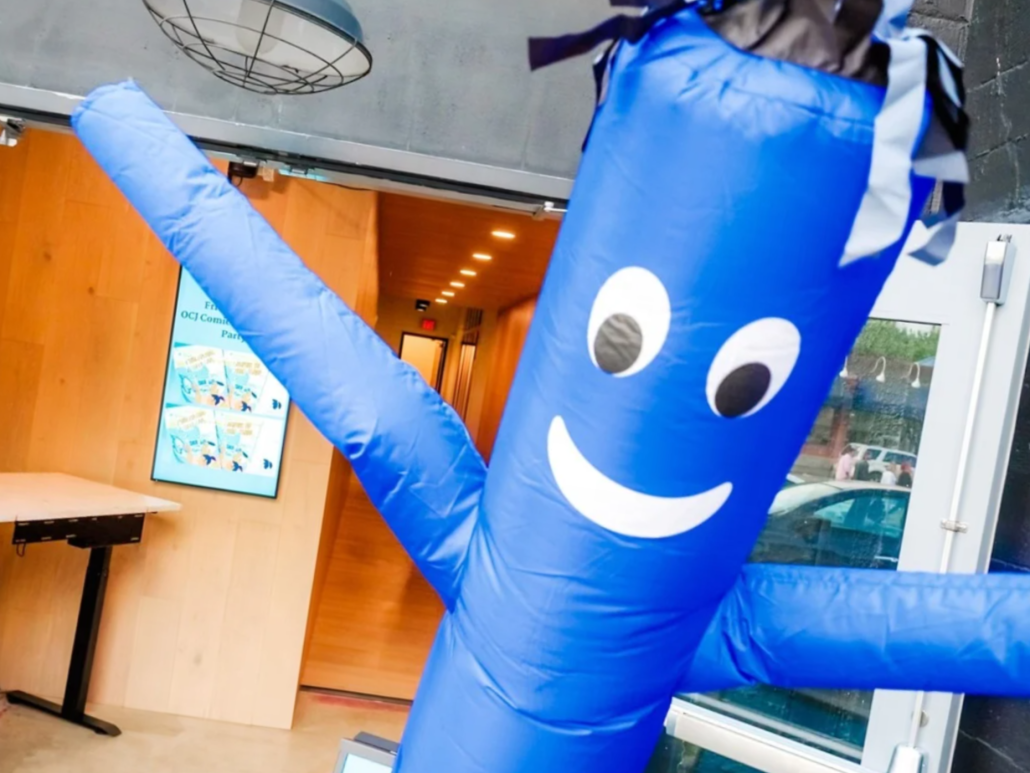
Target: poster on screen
{"x":223,"y":417}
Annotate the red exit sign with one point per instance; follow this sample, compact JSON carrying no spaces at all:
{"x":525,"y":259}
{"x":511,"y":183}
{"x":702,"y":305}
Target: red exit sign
{"x":428,"y":324}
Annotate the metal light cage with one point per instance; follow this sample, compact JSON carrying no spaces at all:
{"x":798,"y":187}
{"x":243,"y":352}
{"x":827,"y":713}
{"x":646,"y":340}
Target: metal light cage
{"x":269,"y":46}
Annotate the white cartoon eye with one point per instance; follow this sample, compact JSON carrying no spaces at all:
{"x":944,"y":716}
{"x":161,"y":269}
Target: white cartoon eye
{"x":629,"y":322}
{"x":752,"y":367}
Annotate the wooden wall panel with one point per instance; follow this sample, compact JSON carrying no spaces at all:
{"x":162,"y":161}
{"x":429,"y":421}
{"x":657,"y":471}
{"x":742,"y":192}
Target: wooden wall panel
{"x":35,"y":259}
{"x":207,"y":617}
{"x":20,"y":367}
{"x":481,"y":373}
{"x":12,"y":175}
{"x":368,"y":292}
{"x":509,"y":338}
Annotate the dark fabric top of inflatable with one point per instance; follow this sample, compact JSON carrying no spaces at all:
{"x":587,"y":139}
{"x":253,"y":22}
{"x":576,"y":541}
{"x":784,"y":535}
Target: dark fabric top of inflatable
{"x":827,"y":35}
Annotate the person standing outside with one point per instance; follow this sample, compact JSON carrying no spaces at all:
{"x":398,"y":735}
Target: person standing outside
{"x":862,"y":467}
{"x":845,"y":468}
{"x":890,"y":476}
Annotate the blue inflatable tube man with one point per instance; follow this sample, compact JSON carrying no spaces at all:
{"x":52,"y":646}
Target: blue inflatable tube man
{"x":744,"y":194}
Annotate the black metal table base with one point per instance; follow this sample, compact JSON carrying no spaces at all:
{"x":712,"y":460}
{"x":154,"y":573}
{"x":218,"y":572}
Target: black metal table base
{"x":98,"y":726}
{"x":73,"y":709}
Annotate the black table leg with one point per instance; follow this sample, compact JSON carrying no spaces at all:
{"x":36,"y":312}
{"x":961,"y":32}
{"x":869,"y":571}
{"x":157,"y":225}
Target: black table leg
{"x":73,"y":709}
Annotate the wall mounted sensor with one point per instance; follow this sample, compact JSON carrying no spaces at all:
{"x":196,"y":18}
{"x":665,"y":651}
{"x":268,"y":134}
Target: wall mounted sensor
{"x":11,"y":131}
{"x":244,"y":169}
{"x":994,"y":285}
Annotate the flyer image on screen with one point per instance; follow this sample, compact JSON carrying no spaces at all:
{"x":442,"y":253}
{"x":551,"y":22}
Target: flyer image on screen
{"x":223,"y":417}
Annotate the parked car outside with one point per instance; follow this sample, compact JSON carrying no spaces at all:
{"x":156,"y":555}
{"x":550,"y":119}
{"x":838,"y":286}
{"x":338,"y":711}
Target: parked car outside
{"x":857,"y":524}
{"x":879,"y":458}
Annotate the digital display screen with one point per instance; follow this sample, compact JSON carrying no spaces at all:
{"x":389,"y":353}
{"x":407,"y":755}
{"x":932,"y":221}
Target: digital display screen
{"x":354,"y":764}
{"x":223,"y":415}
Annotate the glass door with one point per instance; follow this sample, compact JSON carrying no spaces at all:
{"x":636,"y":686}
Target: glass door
{"x":870,"y":490}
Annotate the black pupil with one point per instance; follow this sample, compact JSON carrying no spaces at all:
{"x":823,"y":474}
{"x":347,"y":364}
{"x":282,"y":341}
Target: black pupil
{"x":742,"y":390}
{"x":618,"y":343}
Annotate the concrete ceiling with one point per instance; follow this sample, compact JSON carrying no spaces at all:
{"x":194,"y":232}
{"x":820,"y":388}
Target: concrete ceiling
{"x":450,"y":77}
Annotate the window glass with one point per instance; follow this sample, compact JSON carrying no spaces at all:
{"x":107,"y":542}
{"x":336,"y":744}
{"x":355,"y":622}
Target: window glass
{"x":845,"y":505}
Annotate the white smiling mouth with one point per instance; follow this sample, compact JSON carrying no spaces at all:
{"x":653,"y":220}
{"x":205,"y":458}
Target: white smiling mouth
{"x":620,"y":509}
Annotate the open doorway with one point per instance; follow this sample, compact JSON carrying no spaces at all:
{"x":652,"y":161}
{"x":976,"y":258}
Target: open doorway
{"x":451,"y":304}
{"x":427,"y":355}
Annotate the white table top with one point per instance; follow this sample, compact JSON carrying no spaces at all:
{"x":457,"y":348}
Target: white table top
{"x":43,"y":496}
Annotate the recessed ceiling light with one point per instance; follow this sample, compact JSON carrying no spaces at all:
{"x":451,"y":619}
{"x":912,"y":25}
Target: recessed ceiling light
{"x":467,"y":272}
{"x":457,"y":284}
{"x":448,"y":293}
{"x":504,"y":234}
{"x":441,"y":300}
{"x":482,"y":256}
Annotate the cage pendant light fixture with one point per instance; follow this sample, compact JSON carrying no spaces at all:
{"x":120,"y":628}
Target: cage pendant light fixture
{"x":269,"y":46}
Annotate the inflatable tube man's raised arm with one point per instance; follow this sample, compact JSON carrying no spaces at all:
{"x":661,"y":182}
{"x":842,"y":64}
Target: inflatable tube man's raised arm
{"x":752,"y":174}
{"x":410,"y":450}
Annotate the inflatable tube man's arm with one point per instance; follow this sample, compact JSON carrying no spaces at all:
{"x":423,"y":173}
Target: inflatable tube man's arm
{"x":410,"y":450}
{"x":804,"y":627}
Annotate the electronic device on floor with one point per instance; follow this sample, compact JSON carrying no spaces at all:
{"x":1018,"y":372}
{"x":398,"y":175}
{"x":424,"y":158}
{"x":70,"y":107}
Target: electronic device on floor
{"x":366,"y":754}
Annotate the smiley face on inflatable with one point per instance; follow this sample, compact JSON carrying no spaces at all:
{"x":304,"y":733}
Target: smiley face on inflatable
{"x":740,"y":204}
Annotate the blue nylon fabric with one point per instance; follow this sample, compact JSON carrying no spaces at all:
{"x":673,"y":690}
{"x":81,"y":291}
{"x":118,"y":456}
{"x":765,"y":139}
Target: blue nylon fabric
{"x":796,"y":626}
{"x":732,"y":180}
{"x":411,"y":451}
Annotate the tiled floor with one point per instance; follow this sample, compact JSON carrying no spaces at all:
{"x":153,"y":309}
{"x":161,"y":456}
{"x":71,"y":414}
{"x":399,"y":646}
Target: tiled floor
{"x":31,"y":742}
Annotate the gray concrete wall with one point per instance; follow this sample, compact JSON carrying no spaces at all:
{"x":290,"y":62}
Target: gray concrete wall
{"x":450,"y":77}
{"x":999,"y":100}
{"x":948,"y":19}
{"x":993,"y":36}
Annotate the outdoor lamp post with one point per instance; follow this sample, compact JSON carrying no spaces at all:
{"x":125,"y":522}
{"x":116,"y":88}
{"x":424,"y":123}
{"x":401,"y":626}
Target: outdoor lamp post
{"x":269,"y":46}
{"x":881,"y":377}
{"x":917,"y":382}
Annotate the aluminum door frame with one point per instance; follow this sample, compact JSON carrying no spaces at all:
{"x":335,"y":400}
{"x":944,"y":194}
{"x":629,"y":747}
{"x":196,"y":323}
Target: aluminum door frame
{"x":948,"y":296}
